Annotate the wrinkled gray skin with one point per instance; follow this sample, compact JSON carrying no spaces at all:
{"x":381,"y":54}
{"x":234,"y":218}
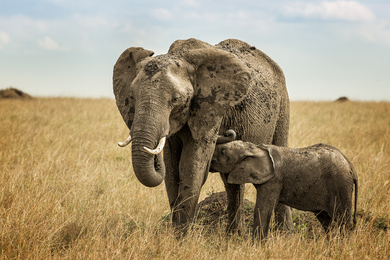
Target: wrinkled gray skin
{"x":317,"y":178}
{"x":190,"y":95}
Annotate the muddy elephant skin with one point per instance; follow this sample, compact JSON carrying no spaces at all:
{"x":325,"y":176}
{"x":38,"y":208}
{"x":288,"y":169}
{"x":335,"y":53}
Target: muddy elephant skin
{"x":189,"y":96}
{"x":317,"y":178}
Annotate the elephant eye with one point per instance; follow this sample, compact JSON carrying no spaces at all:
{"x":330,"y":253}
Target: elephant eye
{"x":175,"y":99}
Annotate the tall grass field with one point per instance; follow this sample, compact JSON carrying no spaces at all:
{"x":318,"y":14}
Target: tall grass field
{"x":67,"y":191}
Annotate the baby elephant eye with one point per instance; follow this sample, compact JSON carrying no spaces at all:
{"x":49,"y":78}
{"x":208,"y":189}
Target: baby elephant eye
{"x":246,"y":157}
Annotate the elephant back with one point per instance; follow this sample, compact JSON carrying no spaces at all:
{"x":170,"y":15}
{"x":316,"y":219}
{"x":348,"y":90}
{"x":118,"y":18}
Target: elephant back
{"x":259,"y":63}
{"x":179,"y":47}
{"x":266,"y":106}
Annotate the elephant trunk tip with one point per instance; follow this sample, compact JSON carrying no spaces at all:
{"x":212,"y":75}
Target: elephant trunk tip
{"x":229,"y":136}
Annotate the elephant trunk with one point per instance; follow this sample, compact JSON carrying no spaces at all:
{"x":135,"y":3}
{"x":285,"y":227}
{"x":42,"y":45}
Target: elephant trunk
{"x":148,"y":134}
{"x":149,"y":168}
{"x":229,"y":136}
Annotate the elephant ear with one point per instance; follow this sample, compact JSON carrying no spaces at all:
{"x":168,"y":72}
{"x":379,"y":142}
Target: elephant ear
{"x":274,"y":155}
{"x":221,"y":81}
{"x":125,"y":70}
{"x":254,"y":167}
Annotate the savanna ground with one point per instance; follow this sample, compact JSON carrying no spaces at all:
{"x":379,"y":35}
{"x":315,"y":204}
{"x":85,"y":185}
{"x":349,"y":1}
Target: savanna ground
{"x":68,"y":191}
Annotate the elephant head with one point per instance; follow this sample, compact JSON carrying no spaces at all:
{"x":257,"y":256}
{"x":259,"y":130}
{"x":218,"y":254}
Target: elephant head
{"x":194,"y":84}
{"x":245,"y":162}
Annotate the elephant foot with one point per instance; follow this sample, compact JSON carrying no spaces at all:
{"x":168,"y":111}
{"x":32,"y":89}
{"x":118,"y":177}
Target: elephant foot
{"x":180,"y":223}
{"x":235,"y":224}
{"x":181,"y":231}
{"x":183,"y":216}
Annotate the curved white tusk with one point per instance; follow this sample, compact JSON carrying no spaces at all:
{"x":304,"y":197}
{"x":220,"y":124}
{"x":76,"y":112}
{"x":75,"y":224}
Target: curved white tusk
{"x":159,"y":148}
{"x":125,"y":143}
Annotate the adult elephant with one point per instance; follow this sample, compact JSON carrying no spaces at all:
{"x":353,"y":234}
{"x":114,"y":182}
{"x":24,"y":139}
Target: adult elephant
{"x":187,"y":97}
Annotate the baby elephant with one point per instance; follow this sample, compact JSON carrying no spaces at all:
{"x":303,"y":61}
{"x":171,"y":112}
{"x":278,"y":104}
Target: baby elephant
{"x":317,"y":178}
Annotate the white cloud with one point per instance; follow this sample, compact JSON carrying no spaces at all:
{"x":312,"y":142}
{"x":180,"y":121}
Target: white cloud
{"x":374,"y":32}
{"x":362,"y":21}
{"x":49,"y":44}
{"x":21,"y":24}
{"x":331,"y":10}
{"x":4,"y":38}
{"x":162,"y":14}
{"x":90,"y":21}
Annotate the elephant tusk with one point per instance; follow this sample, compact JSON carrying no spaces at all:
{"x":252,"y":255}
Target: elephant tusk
{"x":159,"y":148}
{"x":125,"y":143}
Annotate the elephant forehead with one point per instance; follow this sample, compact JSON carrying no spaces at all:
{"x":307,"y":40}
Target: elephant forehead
{"x":239,"y":145}
{"x":154,"y":66}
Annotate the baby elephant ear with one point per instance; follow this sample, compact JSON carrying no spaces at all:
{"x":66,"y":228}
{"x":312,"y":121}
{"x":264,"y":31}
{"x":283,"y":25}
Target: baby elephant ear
{"x":256,"y":169}
{"x":274,"y":155}
{"x":220,"y":81}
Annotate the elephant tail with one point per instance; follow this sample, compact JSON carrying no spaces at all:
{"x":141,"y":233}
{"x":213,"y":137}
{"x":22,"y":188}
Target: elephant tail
{"x":355,"y":181}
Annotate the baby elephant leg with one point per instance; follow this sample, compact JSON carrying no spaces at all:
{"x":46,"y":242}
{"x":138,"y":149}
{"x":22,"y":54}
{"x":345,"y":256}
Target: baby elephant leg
{"x":235,"y":196}
{"x":343,"y":218}
{"x":324,"y":219}
{"x":283,"y":217}
{"x":266,"y":200}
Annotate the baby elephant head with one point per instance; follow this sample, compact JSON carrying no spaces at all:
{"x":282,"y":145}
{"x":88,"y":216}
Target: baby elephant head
{"x":244,"y":162}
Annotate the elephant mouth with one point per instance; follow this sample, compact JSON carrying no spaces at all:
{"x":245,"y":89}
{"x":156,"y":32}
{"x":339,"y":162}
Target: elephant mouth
{"x":215,"y":166}
{"x":158,"y":165}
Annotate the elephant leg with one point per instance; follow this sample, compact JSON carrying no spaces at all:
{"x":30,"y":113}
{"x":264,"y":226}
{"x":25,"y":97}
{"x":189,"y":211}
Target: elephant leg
{"x":342,"y":217}
{"x":343,"y":209}
{"x":266,"y":200}
{"x":172,"y":152}
{"x":235,"y":208}
{"x":324,"y":219}
{"x":193,"y":169}
{"x":283,"y":217}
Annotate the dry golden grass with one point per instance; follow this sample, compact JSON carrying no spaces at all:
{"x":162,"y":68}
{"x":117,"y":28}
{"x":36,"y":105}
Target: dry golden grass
{"x":68,"y":192}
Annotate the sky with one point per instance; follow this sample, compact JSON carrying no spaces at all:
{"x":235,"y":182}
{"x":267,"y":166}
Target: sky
{"x":67,"y":48}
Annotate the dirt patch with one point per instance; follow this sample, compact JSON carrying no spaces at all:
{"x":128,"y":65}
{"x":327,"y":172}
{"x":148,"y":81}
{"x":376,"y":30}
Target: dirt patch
{"x":212,"y":211}
{"x":13,"y":93}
